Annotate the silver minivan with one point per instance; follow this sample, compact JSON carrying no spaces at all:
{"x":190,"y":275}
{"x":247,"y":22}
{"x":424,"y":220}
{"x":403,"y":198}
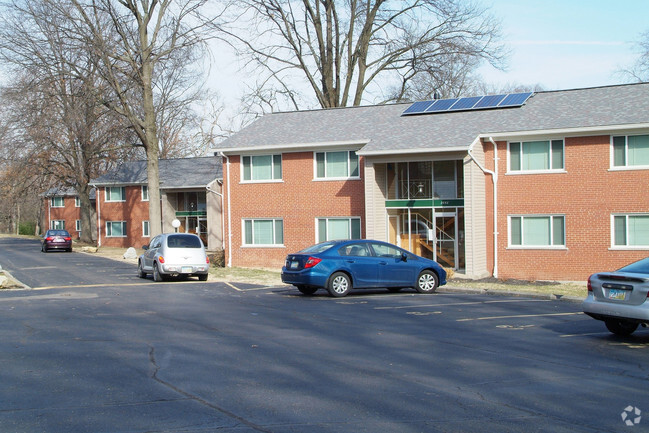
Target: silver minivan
{"x":174,"y":254}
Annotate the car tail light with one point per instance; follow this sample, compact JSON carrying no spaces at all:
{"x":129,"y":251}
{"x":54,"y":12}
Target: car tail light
{"x":207,"y":260}
{"x":590,"y":285}
{"x":161,"y":259}
{"x":67,"y":238}
{"x":49,"y":238}
{"x":311,"y":262}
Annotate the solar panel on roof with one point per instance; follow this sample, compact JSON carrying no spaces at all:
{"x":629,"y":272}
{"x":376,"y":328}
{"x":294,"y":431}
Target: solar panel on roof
{"x":466,"y":103}
{"x":441,"y":105}
{"x":515,"y":99}
{"x":418,"y":107}
{"x":489,"y":101}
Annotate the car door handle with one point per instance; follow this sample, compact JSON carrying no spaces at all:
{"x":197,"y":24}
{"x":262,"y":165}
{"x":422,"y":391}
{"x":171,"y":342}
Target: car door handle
{"x":383,"y":263}
{"x":351,"y":261}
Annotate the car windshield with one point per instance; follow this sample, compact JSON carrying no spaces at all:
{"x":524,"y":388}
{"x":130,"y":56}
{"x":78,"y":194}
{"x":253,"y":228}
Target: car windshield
{"x":639,"y":267}
{"x":58,"y":233}
{"x":318,"y":248}
{"x":183,"y":241}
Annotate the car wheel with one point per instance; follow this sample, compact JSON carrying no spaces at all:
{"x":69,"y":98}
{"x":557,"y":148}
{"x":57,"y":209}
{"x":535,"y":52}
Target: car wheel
{"x":621,"y":327}
{"x":394,"y":289}
{"x":427,"y":282}
{"x":339,"y":284}
{"x":307,"y":290}
{"x":157,"y":276}
{"x":140,"y":271}
{"x":202,"y":277}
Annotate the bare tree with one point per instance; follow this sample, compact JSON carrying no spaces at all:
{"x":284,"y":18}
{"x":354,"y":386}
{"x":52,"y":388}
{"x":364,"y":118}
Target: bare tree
{"x":146,"y":53}
{"x":639,"y":71}
{"x":343,"y":50}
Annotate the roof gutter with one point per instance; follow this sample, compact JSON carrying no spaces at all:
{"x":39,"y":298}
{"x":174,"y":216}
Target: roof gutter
{"x":494,"y":177}
{"x":392,"y":152}
{"x":292,"y":147}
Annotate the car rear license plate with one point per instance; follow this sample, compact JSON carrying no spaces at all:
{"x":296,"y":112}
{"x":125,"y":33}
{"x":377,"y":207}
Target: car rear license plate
{"x":186,"y":270}
{"x":294,"y":265}
{"x":618,"y":295}
{"x":58,"y":240}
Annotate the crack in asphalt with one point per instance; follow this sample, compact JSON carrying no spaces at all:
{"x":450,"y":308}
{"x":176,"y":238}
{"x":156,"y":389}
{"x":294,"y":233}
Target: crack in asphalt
{"x":154,"y":376}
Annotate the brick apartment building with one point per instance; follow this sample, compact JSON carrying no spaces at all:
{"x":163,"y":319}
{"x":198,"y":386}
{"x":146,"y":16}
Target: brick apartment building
{"x":63,"y":210}
{"x":538,"y":186}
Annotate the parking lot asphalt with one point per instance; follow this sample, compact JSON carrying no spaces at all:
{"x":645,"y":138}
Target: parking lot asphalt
{"x":109,"y":352}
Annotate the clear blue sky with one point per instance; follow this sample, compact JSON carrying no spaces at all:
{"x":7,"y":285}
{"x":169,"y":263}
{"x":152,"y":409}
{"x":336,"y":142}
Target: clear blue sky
{"x":570,"y":43}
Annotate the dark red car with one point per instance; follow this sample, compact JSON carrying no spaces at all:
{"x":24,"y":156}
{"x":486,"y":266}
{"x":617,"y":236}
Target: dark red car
{"x":56,"y":240}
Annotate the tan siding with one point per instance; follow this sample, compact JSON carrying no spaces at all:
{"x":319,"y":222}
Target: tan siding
{"x":474,"y":216}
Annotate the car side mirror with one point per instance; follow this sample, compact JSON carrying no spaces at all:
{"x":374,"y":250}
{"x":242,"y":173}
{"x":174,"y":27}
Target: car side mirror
{"x":145,"y":247}
{"x":404,"y":257}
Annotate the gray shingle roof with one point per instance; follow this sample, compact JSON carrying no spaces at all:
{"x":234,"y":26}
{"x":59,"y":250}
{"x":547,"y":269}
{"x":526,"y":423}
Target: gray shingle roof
{"x":59,"y":191}
{"x":174,"y":173}
{"x":383,"y":129}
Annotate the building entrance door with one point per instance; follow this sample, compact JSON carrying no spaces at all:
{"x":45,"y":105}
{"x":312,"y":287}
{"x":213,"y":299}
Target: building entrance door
{"x":446,"y":239}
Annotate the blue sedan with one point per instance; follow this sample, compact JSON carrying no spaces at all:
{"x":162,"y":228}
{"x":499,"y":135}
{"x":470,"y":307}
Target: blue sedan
{"x":362,"y":264}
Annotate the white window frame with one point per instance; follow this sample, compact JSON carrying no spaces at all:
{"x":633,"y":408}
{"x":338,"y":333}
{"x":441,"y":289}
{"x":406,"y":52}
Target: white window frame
{"x":77,"y":202}
{"x":109,"y":233}
{"x":626,"y":246}
{"x":144,"y":189}
{"x":327,"y":219}
{"x":524,"y":246}
{"x":146,"y":229}
{"x":349,"y":166}
{"x":550,"y":157}
{"x":275,"y":243}
{"x":54,"y":225}
{"x":273,"y":178}
{"x":110,"y":188}
{"x":77,"y":225}
{"x":54,"y":199}
{"x":626,"y":165}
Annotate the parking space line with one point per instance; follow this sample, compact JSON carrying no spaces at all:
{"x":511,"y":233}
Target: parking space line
{"x":89,"y":286}
{"x":463,"y":303}
{"x":518,"y":316}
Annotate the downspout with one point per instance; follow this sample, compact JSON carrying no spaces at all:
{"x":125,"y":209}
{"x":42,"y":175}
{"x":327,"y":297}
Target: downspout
{"x":98,"y":200}
{"x":227,"y":165}
{"x":494,"y":177}
{"x":222,"y":215}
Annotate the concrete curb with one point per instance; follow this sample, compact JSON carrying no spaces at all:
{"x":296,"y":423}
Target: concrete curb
{"x":554,"y":297}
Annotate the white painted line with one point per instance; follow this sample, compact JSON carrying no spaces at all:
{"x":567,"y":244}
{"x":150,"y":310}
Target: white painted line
{"x":518,"y":316}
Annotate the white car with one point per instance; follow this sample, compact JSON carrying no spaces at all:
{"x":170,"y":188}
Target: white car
{"x":173,"y":254}
{"x":620,"y":298}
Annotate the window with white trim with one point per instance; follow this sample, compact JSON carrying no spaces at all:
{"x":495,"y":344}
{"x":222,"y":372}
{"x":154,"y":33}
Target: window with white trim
{"x":631,"y":230}
{"x":337,"y":228}
{"x":336,"y":165}
{"x":116,"y":229}
{"x":77,"y":202}
{"x":57,"y":201}
{"x":630,"y":151}
{"x":77,"y":225}
{"x":537,"y":231}
{"x":145,"y":229}
{"x":115,"y":193}
{"x":259,"y":168}
{"x":263,"y":232}
{"x":536,"y":156}
{"x":145,"y":193}
{"x":57,"y":224}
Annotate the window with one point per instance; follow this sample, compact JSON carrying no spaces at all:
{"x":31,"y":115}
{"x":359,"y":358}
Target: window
{"x":57,"y":225}
{"x":631,"y":151}
{"x":537,"y":231}
{"x":77,"y":225}
{"x":262,"y":167}
{"x":336,"y":165}
{"x":145,"y":229}
{"x":338,"y":228}
{"x":263,"y":232}
{"x":115,"y":193}
{"x":145,"y":193}
{"x":57,"y":202}
{"x":536,"y":156}
{"x":630,"y":231}
{"x":116,"y":229}
{"x":77,"y":202}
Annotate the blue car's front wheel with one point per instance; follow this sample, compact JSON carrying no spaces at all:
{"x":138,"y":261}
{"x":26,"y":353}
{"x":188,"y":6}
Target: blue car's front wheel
{"x":339,"y":284}
{"x":427,"y":282}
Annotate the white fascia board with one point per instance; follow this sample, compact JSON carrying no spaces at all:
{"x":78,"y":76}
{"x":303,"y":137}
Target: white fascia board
{"x":574,"y":132}
{"x":292,"y":147}
{"x":413,"y":151}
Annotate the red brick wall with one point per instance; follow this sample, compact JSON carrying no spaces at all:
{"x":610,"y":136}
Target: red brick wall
{"x":134,"y":211}
{"x":298,"y":200}
{"x":587,"y":194}
{"x":69,"y":213}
